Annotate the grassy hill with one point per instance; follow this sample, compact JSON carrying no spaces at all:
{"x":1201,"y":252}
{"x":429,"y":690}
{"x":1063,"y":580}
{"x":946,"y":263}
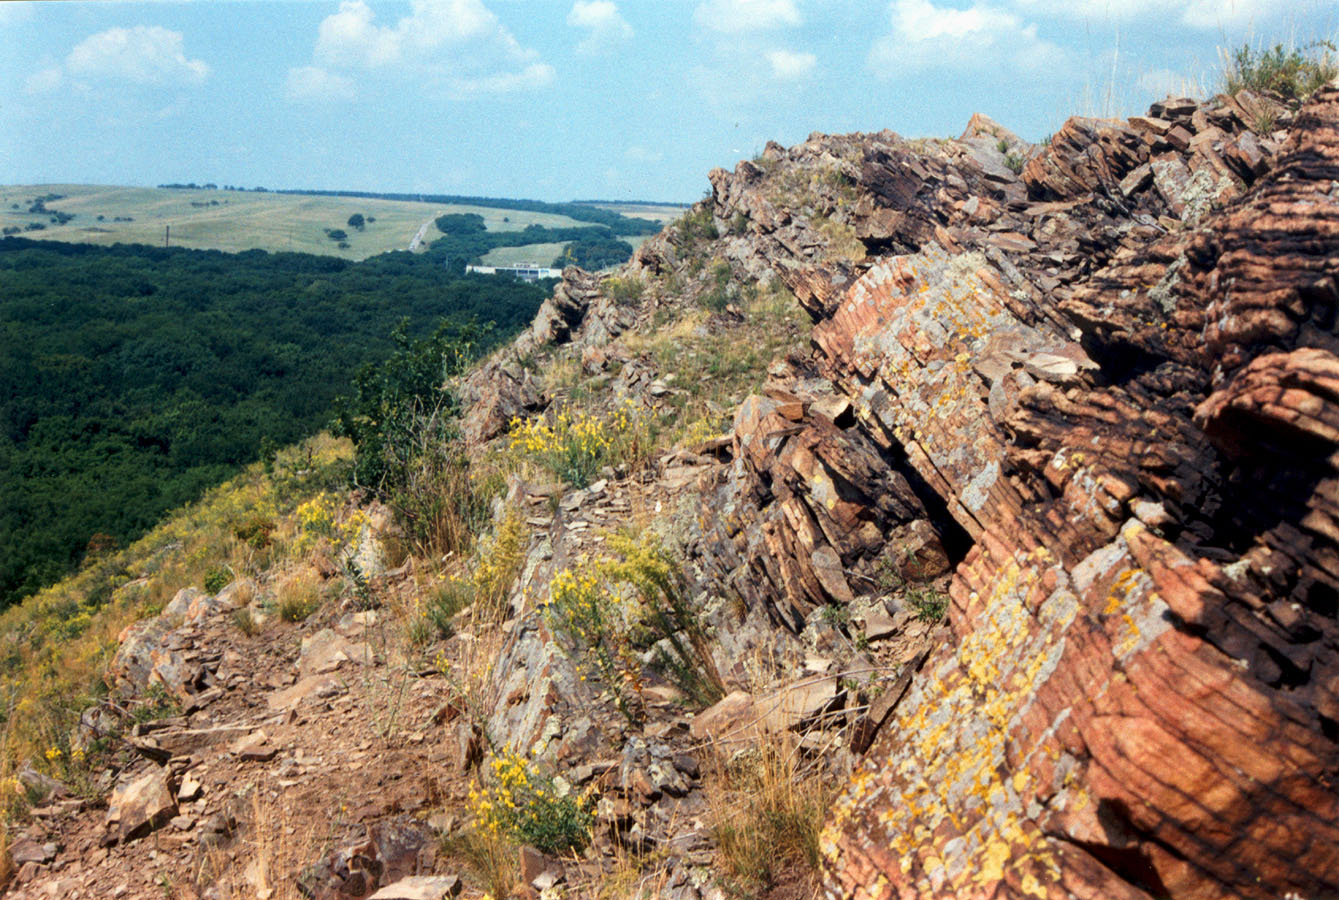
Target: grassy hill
{"x":240,"y":220}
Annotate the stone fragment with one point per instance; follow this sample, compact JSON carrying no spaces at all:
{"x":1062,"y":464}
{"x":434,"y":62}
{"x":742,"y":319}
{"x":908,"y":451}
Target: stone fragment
{"x":420,"y":887}
{"x":254,"y":747}
{"x":139,"y":805}
{"x":326,"y":650}
{"x":25,"y":851}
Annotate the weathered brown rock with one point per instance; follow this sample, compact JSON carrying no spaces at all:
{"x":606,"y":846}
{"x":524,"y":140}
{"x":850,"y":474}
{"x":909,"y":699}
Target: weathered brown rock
{"x":139,"y":805}
{"x":1120,"y":433}
{"x":1123,"y":713}
{"x":420,"y":887}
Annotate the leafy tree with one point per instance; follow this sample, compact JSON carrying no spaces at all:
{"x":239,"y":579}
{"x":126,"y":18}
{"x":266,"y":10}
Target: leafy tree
{"x":134,"y":377}
{"x":356,"y":221}
{"x":461,"y":223}
{"x":401,"y":419}
{"x":593,"y":254}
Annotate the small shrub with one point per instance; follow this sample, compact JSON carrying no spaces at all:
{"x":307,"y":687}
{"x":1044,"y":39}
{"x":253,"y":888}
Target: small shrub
{"x":930,"y":605}
{"x":500,"y":560}
{"x":609,"y":609}
{"x":530,"y":807}
{"x":449,"y":598}
{"x":1295,"y":72}
{"x":1014,"y":162}
{"x":155,"y":704}
{"x":217,"y":578}
{"x":717,"y":296}
{"x":574,"y":446}
{"x":592,"y":620}
{"x":244,"y":621}
{"x":650,"y":574}
{"x":698,"y":225}
{"x":739,"y":223}
{"x":624,"y":290}
{"x":299,"y":596}
{"x":488,"y":858}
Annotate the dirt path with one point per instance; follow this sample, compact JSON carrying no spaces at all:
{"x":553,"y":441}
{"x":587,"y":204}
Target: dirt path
{"x":355,"y":751}
{"x":418,"y":238}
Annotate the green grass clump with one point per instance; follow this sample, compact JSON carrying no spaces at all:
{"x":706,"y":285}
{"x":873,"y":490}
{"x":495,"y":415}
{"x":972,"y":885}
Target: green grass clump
{"x":1294,"y":72}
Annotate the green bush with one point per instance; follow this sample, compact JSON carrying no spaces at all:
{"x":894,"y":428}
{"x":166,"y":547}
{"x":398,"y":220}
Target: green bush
{"x":1296,"y":73}
{"x":529,"y":806}
{"x":624,"y":290}
{"x":217,"y":578}
{"x":698,"y":225}
{"x":402,"y":420}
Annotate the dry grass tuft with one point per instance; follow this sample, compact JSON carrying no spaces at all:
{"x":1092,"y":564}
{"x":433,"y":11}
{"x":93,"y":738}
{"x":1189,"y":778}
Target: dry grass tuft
{"x":299,"y":595}
{"x":767,"y":808}
{"x":490,"y":861}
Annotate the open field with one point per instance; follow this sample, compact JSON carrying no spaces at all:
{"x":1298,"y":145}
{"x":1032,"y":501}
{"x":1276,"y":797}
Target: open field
{"x":540,"y":254}
{"x":656,"y":212}
{"x":240,"y":220}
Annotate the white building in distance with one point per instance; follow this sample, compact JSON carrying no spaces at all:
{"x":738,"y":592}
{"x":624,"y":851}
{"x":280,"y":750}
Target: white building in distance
{"x":523,"y":271}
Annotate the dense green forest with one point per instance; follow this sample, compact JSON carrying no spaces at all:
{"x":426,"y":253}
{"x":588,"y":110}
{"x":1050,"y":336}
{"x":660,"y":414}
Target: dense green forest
{"x":133,"y":377}
{"x":465,"y":240}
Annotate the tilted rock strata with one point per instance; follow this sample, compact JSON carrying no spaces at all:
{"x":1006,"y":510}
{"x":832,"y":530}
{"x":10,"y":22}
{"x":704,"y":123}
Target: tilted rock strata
{"x":1102,"y":389}
{"x":1139,"y":701}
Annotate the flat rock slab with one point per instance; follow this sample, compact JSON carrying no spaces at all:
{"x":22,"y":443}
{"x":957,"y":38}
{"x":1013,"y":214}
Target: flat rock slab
{"x":255,"y":747}
{"x":313,"y":686}
{"x":325,"y":651}
{"x":740,"y":716}
{"x":140,"y":805}
{"x":420,"y":887}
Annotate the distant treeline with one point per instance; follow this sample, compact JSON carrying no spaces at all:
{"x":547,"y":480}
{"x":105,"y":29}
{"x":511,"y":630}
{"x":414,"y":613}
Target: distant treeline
{"x":134,"y":377}
{"x":465,"y":240}
{"x":616,"y":222}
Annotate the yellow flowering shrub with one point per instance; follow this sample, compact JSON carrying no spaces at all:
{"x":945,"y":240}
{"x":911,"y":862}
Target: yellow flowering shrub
{"x":594,"y":620}
{"x":496,"y":563}
{"x":576,"y":445}
{"x":519,"y":801}
{"x":612,"y":608}
{"x":318,"y":519}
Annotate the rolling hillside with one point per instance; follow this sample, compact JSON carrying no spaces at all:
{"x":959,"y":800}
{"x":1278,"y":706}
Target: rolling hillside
{"x":238,"y":220}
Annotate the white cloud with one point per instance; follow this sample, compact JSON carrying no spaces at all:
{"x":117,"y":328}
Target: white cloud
{"x":926,"y":36}
{"x":638,"y":153}
{"x":458,"y":45}
{"x":144,"y":54}
{"x":316,"y":83}
{"x":788,"y":65}
{"x":1204,"y":14}
{"x":1225,"y":13}
{"x":15,"y":13}
{"x":44,"y":81}
{"x":605,"y":26}
{"x":736,"y":16}
{"x":535,"y":75}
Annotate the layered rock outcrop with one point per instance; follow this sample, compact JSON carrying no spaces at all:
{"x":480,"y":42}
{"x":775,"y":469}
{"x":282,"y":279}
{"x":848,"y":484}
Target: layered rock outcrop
{"x":1097,"y":382}
{"x":1115,"y":373}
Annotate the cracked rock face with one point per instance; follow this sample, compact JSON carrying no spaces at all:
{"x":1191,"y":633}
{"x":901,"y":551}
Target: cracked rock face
{"x":1109,"y":388}
{"x":1094,"y":386}
{"x":1139,"y":700}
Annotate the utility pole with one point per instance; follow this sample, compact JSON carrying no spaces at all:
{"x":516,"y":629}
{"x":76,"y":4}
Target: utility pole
{"x":167,"y":235}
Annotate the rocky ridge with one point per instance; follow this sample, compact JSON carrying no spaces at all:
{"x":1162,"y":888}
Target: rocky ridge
{"x":1085,"y":390}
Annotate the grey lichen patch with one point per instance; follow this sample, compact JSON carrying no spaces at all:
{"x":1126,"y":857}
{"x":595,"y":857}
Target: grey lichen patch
{"x":1163,"y":292}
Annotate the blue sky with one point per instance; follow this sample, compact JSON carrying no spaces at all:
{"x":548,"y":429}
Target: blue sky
{"x":564,"y":100}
